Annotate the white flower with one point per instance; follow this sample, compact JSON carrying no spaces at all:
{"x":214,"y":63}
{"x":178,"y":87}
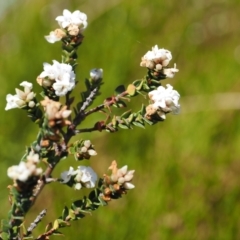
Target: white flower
{"x":76,"y":18}
{"x":165,"y":100}
{"x":62,"y":87}
{"x":11,"y":102}
{"x":50,"y":71}
{"x":24,"y":171}
{"x":88,"y":176}
{"x":66,"y":175}
{"x":156,"y":58}
{"x":21,"y":98}
{"x":83,"y":177}
{"x":61,"y":74}
{"x":27,"y":86}
{"x":53,"y":37}
{"x":170,"y":72}
{"x":96,"y":74}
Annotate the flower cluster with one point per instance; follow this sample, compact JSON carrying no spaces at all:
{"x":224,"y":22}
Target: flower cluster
{"x":158,"y":59}
{"x":164,"y":100}
{"x":86,"y":151}
{"x":21,"y":98}
{"x":82,"y":177}
{"x":118,"y":182}
{"x":25,"y":170}
{"x":55,"y":113}
{"x":70,"y":23}
{"x":59,"y":76}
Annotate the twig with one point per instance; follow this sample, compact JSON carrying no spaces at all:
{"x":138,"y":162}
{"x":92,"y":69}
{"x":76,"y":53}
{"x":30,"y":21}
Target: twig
{"x":35,"y":222}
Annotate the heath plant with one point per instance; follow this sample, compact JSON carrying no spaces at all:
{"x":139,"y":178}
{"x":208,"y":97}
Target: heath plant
{"x":58,"y":116}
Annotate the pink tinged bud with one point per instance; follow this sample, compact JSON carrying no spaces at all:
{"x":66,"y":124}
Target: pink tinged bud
{"x":31,"y":104}
{"x":158,"y":67}
{"x":128,"y":177}
{"x":20,"y":93}
{"x":128,"y":185}
{"x":78,"y":177}
{"x":122,"y":171}
{"x":114,"y":178}
{"x":162,"y":115}
{"x":66,"y":113}
{"x":87,"y":143}
{"x":30,"y":96}
{"x":131,"y":172}
{"x":38,"y":171}
{"x":92,"y":152}
{"x":150,"y":64}
{"x":121,"y":180}
{"x":73,"y":30}
{"x":165,"y":62}
{"x":78,"y":186}
{"x":84,"y":149}
{"x":20,"y":103}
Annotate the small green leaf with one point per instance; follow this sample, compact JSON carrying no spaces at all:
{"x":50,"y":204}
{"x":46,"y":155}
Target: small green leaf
{"x":148,"y":121}
{"x":126,"y":114}
{"x":126,"y":122}
{"x":4,"y":236}
{"x":146,"y":87}
{"x":102,"y":202}
{"x":72,"y":215}
{"x":120,"y":104}
{"x":123,"y":126}
{"x":65,"y":213}
{"x":137,"y":124}
{"x":114,"y":121}
{"x":57,"y":233}
{"x":48,"y":227}
{"x":131,"y":90}
{"x":139,"y":87}
{"x":120,"y":89}
{"x":56,"y":224}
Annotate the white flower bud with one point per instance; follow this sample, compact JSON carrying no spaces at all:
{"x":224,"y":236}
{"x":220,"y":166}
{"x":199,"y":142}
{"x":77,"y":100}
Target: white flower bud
{"x":96,"y":74}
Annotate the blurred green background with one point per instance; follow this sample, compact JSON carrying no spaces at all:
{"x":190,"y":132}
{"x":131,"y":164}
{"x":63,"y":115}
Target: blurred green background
{"x":188,"y":167}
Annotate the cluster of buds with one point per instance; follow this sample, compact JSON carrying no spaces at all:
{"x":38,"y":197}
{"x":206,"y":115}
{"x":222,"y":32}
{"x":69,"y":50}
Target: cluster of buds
{"x":21,"y":99}
{"x":158,"y":60}
{"x":117,"y":183}
{"x":82,"y":150}
{"x":26,"y":170}
{"x":82,"y":177}
{"x":58,"y":76}
{"x":71,"y":24}
{"x":55,"y":113}
{"x":163,"y":100}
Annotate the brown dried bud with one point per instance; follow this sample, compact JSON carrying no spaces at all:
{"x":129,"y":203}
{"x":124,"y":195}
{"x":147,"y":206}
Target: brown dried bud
{"x":45,"y":143}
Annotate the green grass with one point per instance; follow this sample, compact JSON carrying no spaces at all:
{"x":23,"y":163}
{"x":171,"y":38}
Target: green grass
{"x":188,"y":167}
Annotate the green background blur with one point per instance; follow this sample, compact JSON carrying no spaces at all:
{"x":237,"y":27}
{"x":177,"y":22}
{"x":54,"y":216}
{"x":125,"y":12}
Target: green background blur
{"x":188,"y":167}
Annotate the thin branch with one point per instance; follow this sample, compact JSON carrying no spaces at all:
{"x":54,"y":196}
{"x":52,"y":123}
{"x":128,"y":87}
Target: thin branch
{"x":90,"y":99}
{"x":109,"y":102}
{"x":37,"y":220}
